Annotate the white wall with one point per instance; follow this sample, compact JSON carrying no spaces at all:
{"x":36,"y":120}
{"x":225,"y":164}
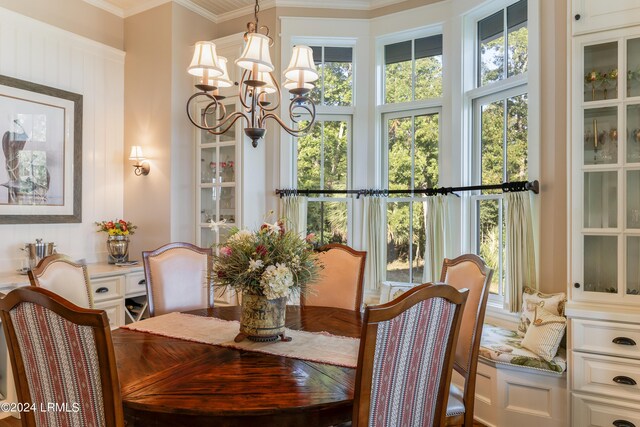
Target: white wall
{"x":37,"y":52}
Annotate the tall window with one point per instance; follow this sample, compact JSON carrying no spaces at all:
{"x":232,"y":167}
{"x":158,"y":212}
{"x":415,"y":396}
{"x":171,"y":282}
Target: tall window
{"x":323,"y":160}
{"x":500,"y":129}
{"x":411,"y":137}
{"x":323,"y":164}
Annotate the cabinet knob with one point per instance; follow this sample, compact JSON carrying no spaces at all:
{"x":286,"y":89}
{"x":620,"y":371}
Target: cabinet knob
{"x":102,"y":290}
{"x":577,"y":17}
{"x":576,"y":285}
{"x":142,"y":282}
{"x":623,"y":423}
{"x":621,"y":379}
{"x":623,"y":341}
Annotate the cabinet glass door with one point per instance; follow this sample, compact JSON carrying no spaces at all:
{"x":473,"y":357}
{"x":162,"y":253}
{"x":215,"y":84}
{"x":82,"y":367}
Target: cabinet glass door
{"x":601,"y":72}
{"x":633,"y":134}
{"x":601,"y":136}
{"x":633,"y":265}
{"x":600,"y":199}
{"x":601,"y":264}
{"x":633,"y":199}
{"x":633,"y":67}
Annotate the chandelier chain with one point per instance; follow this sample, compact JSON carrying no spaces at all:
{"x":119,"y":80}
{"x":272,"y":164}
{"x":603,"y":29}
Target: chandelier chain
{"x":256,"y":9}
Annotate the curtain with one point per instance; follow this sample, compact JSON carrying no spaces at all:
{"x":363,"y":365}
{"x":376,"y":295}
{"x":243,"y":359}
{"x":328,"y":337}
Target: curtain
{"x":438,"y":236}
{"x":374,"y":241}
{"x":520,"y":253}
{"x":294,"y":212}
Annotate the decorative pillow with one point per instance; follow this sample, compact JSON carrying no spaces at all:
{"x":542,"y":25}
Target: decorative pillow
{"x":544,"y":334}
{"x":553,"y":303}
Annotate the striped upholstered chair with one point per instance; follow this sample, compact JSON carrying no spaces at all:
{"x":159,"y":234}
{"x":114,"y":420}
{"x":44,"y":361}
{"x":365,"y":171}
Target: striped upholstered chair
{"x":61,"y":354}
{"x":406,"y":356}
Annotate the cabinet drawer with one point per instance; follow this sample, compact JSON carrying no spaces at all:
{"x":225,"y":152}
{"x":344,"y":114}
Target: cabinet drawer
{"x":136,"y":284}
{"x":613,"y":376}
{"x":107,"y":288}
{"x":616,"y":339}
{"x":114,"y":310}
{"x":597,"y":412}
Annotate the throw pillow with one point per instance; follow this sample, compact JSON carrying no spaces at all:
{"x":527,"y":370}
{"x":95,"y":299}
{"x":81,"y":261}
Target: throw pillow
{"x":553,"y":303}
{"x":544,"y":334}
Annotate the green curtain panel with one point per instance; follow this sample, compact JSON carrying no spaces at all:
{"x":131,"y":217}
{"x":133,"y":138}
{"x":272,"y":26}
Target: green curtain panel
{"x":438,"y":236}
{"x":375,"y":241}
{"x":521,"y":262}
{"x":294,"y":211}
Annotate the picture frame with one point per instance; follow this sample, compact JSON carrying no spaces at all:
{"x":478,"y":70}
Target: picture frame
{"x":40,"y":153}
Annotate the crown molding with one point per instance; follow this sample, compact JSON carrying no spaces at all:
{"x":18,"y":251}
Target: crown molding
{"x":102,"y":4}
{"x":243,"y":11}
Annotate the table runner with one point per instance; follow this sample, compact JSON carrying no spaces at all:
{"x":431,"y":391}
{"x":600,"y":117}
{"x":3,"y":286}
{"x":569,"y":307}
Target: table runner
{"x":313,"y":346}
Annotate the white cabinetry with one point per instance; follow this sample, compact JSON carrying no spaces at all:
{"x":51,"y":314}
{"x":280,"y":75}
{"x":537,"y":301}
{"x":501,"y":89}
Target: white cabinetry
{"x":604,"y":293}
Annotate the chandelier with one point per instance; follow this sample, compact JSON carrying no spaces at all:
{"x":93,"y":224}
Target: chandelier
{"x":256,"y":85}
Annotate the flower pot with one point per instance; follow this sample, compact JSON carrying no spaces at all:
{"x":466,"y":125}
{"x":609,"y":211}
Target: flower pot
{"x":118,"y":247}
{"x":262,"y":319}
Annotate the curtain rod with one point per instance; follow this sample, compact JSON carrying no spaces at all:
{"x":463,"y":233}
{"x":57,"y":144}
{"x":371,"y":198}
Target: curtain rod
{"x":505,"y":187}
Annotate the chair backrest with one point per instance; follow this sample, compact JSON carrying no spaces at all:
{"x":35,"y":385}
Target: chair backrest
{"x":177,"y":278}
{"x":406,"y":355}
{"x":61,"y":275}
{"x":62,"y":354}
{"x":340,"y":281}
{"x":469,"y":271}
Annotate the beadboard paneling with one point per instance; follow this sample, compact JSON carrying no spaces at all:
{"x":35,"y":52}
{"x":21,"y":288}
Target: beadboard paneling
{"x":37,"y":52}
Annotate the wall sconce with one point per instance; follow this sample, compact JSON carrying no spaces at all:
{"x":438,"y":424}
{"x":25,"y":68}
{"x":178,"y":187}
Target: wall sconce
{"x":142,"y":167}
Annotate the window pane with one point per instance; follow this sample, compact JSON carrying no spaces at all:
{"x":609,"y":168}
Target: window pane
{"x":397,"y":83}
{"x":517,"y":38}
{"x":517,"y":131}
{"x":428,"y":55}
{"x":309,"y":164}
{"x":489,"y":239}
{"x":399,"y":139}
{"x":426,"y":151}
{"x":418,"y":239}
{"x":491,"y":49}
{"x":338,"y":75}
{"x":335,"y":155}
{"x":398,"y":242}
{"x":491,"y":150}
{"x":328,"y":220}
{"x":316,"y":92}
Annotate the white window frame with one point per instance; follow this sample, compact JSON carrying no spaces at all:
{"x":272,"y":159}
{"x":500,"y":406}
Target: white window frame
{"x":416,"y":198}
{"x":476,"y":95}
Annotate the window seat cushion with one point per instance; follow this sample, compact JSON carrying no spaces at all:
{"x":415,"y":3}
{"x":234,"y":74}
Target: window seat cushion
{"x":504,"y":346}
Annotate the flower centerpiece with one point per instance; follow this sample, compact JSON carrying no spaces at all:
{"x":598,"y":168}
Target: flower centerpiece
{"x":118,"y":238}
{"x":266,"y":267}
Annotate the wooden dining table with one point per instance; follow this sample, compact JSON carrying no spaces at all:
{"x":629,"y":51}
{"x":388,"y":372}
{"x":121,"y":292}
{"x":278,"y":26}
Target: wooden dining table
{"x":173,"y":382}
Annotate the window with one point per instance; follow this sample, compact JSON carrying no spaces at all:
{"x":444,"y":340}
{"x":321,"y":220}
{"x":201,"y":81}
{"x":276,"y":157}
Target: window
{"x":500,"y":123}
{"x":323,"y":163}
{"x":504,"y":31}
{"x":335,"y":85}
{"x":413,"y":70}
{"x":412,"y":161}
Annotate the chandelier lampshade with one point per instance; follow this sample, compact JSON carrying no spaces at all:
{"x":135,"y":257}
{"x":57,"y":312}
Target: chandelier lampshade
{"x":223,"y":80}
{"x":301,"y":68}
{"x":205,"y":61}
{"x":256,"y":83}
{"x":255,"y":56}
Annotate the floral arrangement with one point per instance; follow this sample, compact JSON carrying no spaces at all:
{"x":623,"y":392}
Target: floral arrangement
{"x":119,"y":227}
{"x":271,"y":262}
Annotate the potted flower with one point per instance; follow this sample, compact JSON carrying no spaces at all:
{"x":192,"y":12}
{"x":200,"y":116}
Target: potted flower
{"x":266,"y":267}
{"x":118,"y":238}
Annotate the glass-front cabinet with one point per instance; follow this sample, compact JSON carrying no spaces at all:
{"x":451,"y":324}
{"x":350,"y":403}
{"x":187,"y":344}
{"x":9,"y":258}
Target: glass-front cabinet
{"x":606,"y":168}
{"x":218,"y":184}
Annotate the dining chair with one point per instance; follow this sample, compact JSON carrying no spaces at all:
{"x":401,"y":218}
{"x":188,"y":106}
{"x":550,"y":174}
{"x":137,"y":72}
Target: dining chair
{"x":406,"y":356}
{"x":61,"y":355}
{"x":177,"y":276}
{"x":61,"y":275}
{"x":340,"y":281}
{"x":467,"y":271}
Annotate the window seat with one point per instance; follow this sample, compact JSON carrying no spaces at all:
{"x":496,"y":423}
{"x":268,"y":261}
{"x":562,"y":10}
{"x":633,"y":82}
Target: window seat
{"x":516,"y":387}
{"x":502,"y":346}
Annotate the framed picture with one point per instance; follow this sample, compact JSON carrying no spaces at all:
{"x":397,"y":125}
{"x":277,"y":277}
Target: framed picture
{"x":41,"y":156}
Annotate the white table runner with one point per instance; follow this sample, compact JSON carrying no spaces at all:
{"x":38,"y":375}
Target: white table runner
{"x":313,"y":346}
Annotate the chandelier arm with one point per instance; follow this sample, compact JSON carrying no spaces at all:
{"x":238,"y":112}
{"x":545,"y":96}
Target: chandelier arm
{"x":278,"y":96}
{"x":192,"y":98}
{"x":290,"y":131}
{"x":217,"y":105}
{"x":309,"y":107}
{"x":243,"y":91}
{"x":233,"y":117}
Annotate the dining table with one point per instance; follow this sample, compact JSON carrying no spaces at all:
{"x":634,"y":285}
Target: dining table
{"x":174,"y":382}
